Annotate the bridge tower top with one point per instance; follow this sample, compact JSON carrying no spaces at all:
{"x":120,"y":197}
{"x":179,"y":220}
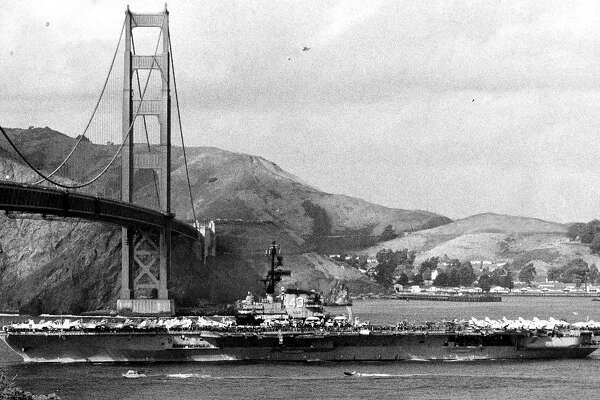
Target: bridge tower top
{"x":158,"y":161}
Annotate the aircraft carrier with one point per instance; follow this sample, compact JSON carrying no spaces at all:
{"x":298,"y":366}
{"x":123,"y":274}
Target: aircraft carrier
{"x":194,"y":342}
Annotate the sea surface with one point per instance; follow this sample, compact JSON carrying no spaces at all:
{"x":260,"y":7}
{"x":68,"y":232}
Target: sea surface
{"x":554,"y":379}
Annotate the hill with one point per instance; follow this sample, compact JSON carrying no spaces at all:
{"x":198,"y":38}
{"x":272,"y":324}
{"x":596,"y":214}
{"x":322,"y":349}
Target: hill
{"x":74,"y":265}
{"x":230,"y":185}
{"x":496,"y":237}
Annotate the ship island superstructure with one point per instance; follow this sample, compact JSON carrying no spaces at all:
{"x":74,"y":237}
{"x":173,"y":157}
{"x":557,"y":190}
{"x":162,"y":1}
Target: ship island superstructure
{"x":294,"y":327}
{"x":291,"y":303}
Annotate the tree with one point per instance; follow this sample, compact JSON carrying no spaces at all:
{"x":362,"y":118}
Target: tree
{"x":402,"y":279}
{"x":384,"y":256}
{"x":426,"y":274}
{"x":593,"y":274}
{"x":576,"y":271}
{"x":508,"y":281}
{"x":453,"y":278}
{"x":466,"y":275}
{"x":498,"y":277}
{"x":576,"y":230}
{"x":485,"y":282}
{"x":588,"y":232}
{"x":404,"y":258}
{"x":387,"y":262}
{"x":362,"y":261}
{"x":385,"y":274}
{"x":83,"y":139}
{"x":595,"y":244}
{"x":527,"y":274}
{"x":441,"y":280}
{"x":456,"y":274}
{"x":429,"y":264}
{"x":554,"y":274}
{"x":417,"y":279}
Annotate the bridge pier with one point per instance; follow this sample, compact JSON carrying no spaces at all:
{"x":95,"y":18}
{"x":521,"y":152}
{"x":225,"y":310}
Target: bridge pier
{"x":145,"y":273}
{"x":126,"y":261}
{"x":165,"y":258}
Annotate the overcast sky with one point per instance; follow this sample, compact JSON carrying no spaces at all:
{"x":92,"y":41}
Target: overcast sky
{"x":451,"y":106}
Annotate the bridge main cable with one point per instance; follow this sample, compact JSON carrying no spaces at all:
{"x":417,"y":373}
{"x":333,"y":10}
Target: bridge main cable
{"x":93,"y":112}
{"x":99,"y":175}
{"x":187,"y":171}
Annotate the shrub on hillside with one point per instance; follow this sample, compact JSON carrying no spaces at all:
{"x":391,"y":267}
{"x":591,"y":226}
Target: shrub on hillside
{"x":388,"y":233}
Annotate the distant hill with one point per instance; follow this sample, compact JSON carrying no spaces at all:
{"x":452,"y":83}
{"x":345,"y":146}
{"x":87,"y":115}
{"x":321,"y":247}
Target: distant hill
{"x":484,"y":225}
{"x":254,"y":199}
{"x":495,"y":237}
{"x":497,"y":223}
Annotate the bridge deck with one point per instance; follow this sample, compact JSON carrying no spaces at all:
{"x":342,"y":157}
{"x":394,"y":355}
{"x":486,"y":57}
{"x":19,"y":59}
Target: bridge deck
{"x":43,"y":200}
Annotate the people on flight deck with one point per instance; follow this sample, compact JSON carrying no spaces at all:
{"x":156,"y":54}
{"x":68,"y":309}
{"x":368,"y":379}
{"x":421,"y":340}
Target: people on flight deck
{"x":536,"y":326}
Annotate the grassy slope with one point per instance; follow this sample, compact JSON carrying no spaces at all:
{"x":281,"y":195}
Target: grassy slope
{"x":230,"y":185}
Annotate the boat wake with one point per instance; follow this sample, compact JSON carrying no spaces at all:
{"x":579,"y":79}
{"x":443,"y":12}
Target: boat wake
{"x":188,"y":376}
{"x":413,"y":358}
{"x":467,"y":359}
{"x":380,"y":375}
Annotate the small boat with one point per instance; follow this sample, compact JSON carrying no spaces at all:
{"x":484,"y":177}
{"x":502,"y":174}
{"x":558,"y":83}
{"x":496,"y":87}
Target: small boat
{"x":350,"y":373}
{"x":133,"y":374}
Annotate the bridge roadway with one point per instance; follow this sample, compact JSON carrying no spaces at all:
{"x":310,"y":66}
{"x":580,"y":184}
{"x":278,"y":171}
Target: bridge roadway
{"x":43,"y":200}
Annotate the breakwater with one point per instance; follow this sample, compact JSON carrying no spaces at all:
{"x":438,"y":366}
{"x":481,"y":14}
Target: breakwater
{"x":552,"y":294}
{"x":464,"y":298}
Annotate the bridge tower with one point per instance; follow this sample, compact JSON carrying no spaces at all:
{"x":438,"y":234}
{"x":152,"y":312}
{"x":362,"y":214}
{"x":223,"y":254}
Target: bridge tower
{"x":146,"y":255}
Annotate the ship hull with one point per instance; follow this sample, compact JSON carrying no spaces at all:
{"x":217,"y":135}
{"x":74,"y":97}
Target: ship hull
{"x":273,"y":347}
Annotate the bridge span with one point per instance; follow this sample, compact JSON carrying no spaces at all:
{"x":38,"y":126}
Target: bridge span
{"x":44,"y":200}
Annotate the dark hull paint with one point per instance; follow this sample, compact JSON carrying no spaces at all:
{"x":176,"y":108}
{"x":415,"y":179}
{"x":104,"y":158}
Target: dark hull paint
{"x":271,"y":346}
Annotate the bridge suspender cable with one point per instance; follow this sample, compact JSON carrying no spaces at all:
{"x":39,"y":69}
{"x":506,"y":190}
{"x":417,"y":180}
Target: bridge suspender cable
{"x":187,"y":172}
{"x":112,"y":63}
{"x":94,"y":179}
{"x":137,"y":76}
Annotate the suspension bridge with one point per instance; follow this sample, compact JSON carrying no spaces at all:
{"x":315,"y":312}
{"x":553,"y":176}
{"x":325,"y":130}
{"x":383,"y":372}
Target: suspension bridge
{"x":118,"y":169}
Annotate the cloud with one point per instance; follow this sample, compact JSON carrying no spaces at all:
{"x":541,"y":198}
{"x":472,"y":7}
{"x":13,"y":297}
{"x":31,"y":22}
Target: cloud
{"x":344,"y":16}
